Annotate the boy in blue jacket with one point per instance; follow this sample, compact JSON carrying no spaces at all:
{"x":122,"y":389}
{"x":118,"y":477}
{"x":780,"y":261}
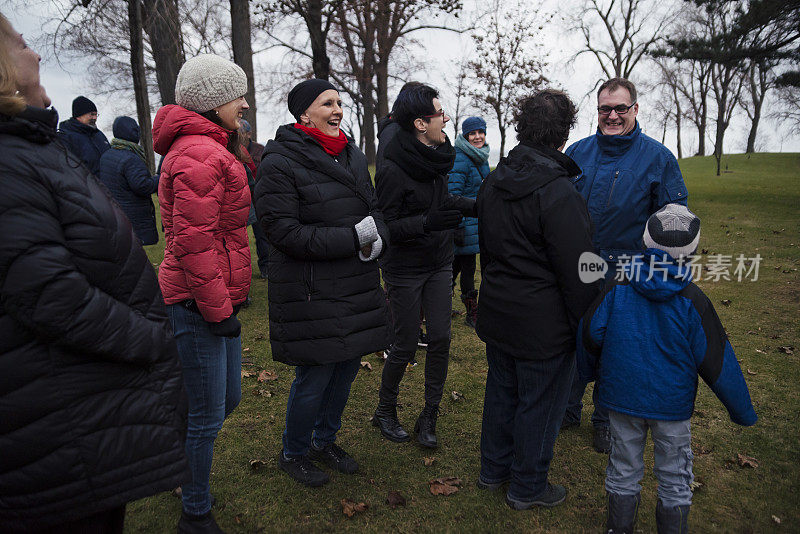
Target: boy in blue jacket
{"x":645,"y":340}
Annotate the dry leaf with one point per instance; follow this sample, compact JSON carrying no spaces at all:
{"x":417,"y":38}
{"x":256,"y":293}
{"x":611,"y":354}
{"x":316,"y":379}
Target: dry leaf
{"x":749,"y":372}
{"x":366,"y":365}
{"x":776,"y":519}
{"x":695,"y":485}
{"x":246,"y":349}
{"x":262,"y":392}
{"x":704,"y":251}
{"x":265,"y":375}
{"x":444,"y":485}
{"x":456,"y":396}
{"x":428,"y":460}
{"x":786,"y":350}
{"x":746,"y":461}
{"x":704,"y":450}
{"x":177,"y":492}
{"x":752,"y":333}
{"x":395,"y":499}
{"x":726,"y":302}
{"x":255,"y":465}
{"x":247,"y":374}
{"x":350,"y":508}
{"x":760,"y":351}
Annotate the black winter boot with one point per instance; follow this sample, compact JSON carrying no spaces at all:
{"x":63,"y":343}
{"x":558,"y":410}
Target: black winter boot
{"x":426,"y":427}
{"x":622,"y":511}
{"x":673,"y":519}
{"x":386,"y":420}
{"x":203,"y":524}
{"x":470,"y":301}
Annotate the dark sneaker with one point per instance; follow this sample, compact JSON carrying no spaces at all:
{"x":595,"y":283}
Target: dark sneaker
{"x":303,"y":471}
{"x":202,"y":524}
{"x":490,"y":486}
{"x":334,"y":457}
{"x":422,"y":341}
{"x":602,"y":439}
{"x":553,"y":495}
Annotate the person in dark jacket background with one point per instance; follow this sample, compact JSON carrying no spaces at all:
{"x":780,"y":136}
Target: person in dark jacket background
{"x":255,"y":150}
{"x":469,"y":170}
{"x":92,"y":414}
{"x":534,"y":226}
{"x":411,"y":183}
{"x":316,"y":203}
{"x":626,"y":176}
{"x":123,"y":169}
{"x":81,"y":135}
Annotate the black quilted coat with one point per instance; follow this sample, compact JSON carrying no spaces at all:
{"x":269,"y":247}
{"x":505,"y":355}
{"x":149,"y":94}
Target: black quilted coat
{"x":91,"y":402}
{"x":325,"y":304}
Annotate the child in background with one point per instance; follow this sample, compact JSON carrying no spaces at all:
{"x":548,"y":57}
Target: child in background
{"x":645,"y":340}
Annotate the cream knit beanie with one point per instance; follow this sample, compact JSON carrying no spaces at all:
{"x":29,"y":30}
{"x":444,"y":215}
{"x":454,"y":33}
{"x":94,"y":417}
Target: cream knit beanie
{"x":207,"y":81}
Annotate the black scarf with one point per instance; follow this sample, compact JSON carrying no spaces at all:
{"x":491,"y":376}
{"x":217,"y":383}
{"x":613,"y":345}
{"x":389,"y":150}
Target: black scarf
{"x":420,"y":162}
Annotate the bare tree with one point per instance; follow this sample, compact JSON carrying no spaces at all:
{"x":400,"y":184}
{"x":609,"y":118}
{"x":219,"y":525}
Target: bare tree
{"x":140,"y":81}
{"x":628,"y":29}
{"x":504,"y":67}
{"x":759,"y":79}
{"x":670,"y":105}
{"x":460,"y":94}
{"x":162,"y":24}
{"x":789,"y":110}
{"x":243,"y":56}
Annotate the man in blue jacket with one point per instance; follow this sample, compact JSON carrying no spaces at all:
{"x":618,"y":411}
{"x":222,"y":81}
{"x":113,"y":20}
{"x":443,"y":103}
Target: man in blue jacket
{"x":627,"y":176}
{"x":80,"y":134}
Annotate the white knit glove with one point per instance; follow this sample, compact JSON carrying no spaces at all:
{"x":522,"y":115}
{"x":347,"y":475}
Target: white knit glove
{"x":366,"y":231}
{"x":377,"y":246}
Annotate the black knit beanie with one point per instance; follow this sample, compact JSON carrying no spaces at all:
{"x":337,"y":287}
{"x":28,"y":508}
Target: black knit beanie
{"x":304,"y":93}
{"x":82,"y":106}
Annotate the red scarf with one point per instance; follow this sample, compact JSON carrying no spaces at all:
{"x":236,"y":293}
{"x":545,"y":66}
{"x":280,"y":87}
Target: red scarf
{"x":331,"y":145}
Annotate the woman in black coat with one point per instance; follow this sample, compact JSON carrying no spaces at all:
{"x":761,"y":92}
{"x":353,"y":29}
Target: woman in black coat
{"x":316,"y":203}
{"x":123,"y":169}
{"x":90,"y":385}
{"x":534,"y":226}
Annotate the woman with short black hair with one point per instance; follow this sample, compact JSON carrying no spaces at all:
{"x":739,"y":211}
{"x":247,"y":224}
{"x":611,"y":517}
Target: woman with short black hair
{"x":534,"y":227}
{"x":411,"y":183}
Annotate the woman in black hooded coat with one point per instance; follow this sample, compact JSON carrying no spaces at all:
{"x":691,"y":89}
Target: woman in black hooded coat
{"x":316,"y":203}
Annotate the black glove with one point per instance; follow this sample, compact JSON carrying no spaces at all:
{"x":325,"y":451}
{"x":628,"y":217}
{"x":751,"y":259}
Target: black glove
{"x":230,"y":327}
{"x":441,"y":220}
{"x":465,"y":205}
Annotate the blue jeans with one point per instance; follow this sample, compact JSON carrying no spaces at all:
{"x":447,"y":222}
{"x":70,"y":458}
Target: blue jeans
{"x":672,"y":457}
{"x":212,"y":367}
{"x":522,"y":411}
{"x":317,"y":399}
{"x":575,"y":405}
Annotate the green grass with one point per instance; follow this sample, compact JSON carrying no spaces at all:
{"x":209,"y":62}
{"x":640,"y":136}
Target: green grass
{"x":752,"y":208}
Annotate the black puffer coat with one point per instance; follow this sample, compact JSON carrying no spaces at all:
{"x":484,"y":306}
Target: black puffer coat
{"x":533,"y":228}
{"x":325,"y":304}
{"x":91,"y":404}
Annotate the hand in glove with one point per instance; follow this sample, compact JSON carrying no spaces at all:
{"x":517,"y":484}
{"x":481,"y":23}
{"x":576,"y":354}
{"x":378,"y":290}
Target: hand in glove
{"x":230,"y":327}
{"x":444,"y":219}
{"x":366,"y":231}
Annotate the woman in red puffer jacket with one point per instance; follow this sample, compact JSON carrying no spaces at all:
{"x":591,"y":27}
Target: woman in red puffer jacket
{"x":205,"y":275}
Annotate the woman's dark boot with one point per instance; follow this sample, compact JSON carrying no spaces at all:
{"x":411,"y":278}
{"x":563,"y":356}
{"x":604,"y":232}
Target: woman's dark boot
{"x":672,"y":519}
{"x":470,"y":301}
{"x":426,"y":427}
{"x":386,"y":420}
{"x":622,"y":511}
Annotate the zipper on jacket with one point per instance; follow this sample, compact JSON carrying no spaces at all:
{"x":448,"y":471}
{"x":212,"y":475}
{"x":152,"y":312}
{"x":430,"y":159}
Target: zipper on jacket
{"x":613,"y":184}
{"x":311,"y":282}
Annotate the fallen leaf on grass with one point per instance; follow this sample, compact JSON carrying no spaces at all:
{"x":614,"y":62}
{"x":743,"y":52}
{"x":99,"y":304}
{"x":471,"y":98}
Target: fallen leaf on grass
{"x":247,"y":374}
{"x":726,"y":302}
{"x":752,"y":333}
{"x":457,"y":396}
{"x":262,"y":392}
{"x":695,"y":485}
{"x":246,"y":349}
{"x":778,"y":232}
{"x":704,"y":251}
{"x":350,"y":508}
{"x":760,"y":351}
{"x":701,"y":450}
{"x":265,"y":375}
{"x":444,"y":485}
{"x":237,"y":519}
{"x":786,"y":350}
{"x":746,"y":461}
{"x":428,"y":460}
{"x":395,"y":499}
{"x":256,"y":464}
{"x":366,"y":365}
{"x":749,"y":372}
{"x":776,"y":519}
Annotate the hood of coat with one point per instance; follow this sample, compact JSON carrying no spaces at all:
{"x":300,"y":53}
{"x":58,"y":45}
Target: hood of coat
{"x":657,"y":276}
{"x":36,"y":125}
{"x":173,"y":121}
{"x":419,"y":161}
{"x":615,"y":145}
{"x":530,"y":167}
{"x":126,"y":128}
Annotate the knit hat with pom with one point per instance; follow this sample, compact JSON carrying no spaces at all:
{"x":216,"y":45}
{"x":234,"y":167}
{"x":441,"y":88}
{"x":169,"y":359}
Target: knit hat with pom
{"x":673,"y":229}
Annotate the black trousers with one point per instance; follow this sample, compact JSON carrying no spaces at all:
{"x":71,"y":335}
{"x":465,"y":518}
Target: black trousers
{"x":464,"y":264}
{"x":106,"y":522}
{"x":407,"y":295}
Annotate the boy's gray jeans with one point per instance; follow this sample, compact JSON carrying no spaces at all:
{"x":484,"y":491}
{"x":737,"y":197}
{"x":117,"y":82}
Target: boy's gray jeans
{"x":672,"y":451}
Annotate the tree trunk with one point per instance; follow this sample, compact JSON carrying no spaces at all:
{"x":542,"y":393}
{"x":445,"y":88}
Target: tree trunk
{"x":751,"y":138}
{"x":720,"y":135}
{"x":368,"y":128}
{"x":140,"y":82}
{"x":678,"y":127}
{"x":701,"y":133}
{"x":320,"y":61}
{"x":243,"y":56}
{"x":382,"y":85}
{"x":162,"y":24}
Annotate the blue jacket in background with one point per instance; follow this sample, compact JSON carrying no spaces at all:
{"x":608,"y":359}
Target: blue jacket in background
{"x":126,"y":176}
{"x":86,"y":142}
{"x":625,"y":179}
{"x":646,"y":341}
{"x":465,"y":179}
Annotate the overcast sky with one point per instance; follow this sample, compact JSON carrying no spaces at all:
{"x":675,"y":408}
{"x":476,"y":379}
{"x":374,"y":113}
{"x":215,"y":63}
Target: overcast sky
{"x":439,"y":51}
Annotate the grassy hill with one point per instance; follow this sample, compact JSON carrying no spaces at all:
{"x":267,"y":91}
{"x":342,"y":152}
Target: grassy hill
{"x":751,"y":209}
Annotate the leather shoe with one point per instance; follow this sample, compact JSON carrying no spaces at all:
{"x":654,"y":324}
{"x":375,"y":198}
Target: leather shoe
{"x":426,"y":427}
{"x":201,"y":524}
{"x":386,"y":420}
{"x":303,"y":471}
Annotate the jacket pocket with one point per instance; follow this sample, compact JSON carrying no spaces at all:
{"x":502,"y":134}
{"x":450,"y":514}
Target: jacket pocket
{"x":308,"y":279}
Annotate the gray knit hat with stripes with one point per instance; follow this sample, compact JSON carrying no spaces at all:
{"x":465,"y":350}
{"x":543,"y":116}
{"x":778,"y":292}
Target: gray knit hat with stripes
{"x":673,"y":229}
{"x":207,"y":81}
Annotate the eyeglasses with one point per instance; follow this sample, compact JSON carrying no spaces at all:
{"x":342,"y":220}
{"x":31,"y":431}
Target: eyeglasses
{"x":622,"y":109}
{"x":439,"y":113}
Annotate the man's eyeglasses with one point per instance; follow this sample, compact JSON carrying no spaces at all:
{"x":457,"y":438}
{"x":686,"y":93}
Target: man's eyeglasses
{"x":439,"y":113}
{"x":622,"y":109}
